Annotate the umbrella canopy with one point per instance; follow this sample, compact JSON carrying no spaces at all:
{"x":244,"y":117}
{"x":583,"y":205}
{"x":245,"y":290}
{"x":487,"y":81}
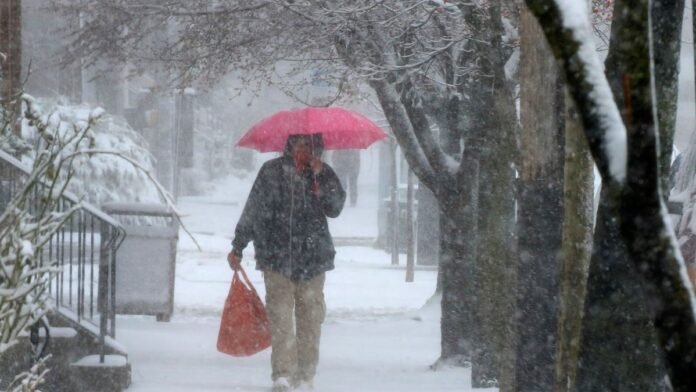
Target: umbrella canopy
{"x":340,"y":129}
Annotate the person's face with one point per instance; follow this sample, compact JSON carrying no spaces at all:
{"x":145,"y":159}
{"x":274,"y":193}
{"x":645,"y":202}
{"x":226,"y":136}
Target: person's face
{"x":302,"y":153}
{"x":301,"y":147}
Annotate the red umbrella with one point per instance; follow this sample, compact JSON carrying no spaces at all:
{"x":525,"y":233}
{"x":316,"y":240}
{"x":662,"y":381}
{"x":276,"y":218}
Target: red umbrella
{"x":340,"y":128}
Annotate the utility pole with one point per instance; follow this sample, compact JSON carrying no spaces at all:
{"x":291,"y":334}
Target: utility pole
{"x":11,"y":59}
{"x":394,"y":205}
{"x":410,"y":230}
{"x":182,"y":143}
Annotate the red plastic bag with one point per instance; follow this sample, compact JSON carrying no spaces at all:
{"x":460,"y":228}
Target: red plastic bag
{"x":244,"y":328}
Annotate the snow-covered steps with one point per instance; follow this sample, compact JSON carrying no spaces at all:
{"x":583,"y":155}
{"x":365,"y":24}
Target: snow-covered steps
{"x":19,"y":358}
{"x":74,"y":363}
{"x":80,"y":367}
{"x":91,"y":374}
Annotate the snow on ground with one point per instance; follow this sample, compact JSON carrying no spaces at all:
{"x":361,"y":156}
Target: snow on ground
{"x":378,"y":336}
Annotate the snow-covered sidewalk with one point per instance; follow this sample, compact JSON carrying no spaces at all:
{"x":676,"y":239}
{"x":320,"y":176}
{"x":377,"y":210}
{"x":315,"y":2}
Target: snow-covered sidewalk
{"x":375,"y":338}
{"x":378,"y":336}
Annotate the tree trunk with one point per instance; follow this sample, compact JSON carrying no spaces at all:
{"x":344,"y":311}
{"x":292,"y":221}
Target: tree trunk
{"x":667,"y":17}
{"x":540,"y":210}
{"x":619,"y":345}
{"x":458,"y":208}
{"x":460,"y":272}
{"x":577,"y":247}
{"x":490,"y":122}
{"x":428,"y":228}
{"x":458,"y":233}
{"x":649,"y":239}
{"x":11,"y":60}
{"x":496,"y":264}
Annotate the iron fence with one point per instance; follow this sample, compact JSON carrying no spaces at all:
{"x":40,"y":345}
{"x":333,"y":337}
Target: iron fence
{"x":84,"y":252}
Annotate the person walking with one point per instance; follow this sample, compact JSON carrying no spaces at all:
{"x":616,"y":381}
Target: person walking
{"x":347,"y":165}
{"x":286,"y":218}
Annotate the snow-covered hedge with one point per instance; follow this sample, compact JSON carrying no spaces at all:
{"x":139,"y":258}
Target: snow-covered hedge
{"x":103,"y":177}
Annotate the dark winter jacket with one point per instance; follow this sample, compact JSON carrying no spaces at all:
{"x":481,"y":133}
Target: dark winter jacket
{"x":285,"y":217}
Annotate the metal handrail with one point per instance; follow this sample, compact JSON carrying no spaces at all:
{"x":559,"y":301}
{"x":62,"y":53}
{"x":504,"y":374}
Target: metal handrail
{"x":84,"y":250}
{"x":68,"y":195}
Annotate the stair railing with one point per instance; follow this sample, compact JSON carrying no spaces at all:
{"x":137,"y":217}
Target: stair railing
{"x":84,"y":250}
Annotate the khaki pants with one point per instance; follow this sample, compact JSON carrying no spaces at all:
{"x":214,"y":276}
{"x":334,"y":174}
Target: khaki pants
{"x":294,"y":356}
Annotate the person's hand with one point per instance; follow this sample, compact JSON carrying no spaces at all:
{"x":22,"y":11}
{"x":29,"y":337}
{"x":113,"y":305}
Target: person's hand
{"x":234,"y":261}
{"x":317,"y":165}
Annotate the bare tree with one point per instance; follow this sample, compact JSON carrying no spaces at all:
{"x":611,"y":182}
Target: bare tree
{"x":624,"y":146}
{"x":463,"y":180}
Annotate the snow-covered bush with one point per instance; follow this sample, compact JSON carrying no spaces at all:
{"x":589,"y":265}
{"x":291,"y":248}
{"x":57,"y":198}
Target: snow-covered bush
{"x":107,"y":176}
